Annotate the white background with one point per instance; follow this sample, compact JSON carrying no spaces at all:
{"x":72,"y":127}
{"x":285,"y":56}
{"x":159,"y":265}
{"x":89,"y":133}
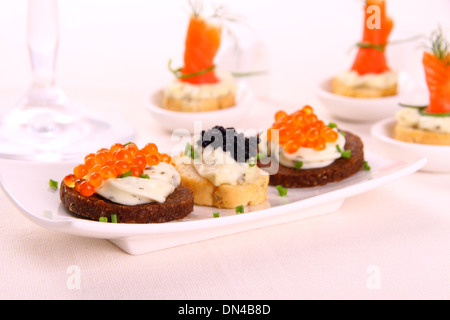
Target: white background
{"x":125,"y":45}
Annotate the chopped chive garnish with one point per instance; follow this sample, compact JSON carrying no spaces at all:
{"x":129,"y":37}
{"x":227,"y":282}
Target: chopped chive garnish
{"x":252,"y":162}
{"x":282,"y":191}
{"x":366,"y":166}
{"x":194,"y":154}
{"x":189,"y":151}
{"x":127,"y":143}
{"x":346,"y":154}
{"x":126,"y":174}
{"x":332,"y":125}
{"x":216,"y":214}
{"x":240,"y":209}
{"x":144,"y":176}
{"x":113,"y":218}
{"x":103,"y":219}
{"x":260,"y":156}
{"x":298,"y":165}
{"x":342,"y":133}
{"x":53,"y":184}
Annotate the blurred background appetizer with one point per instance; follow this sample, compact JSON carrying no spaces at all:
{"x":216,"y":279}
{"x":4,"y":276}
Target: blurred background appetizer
{"x":370,"y":75}
{"x":430,"y":124}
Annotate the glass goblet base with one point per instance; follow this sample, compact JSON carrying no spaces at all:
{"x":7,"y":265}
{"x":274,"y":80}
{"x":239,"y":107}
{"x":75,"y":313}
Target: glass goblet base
{"x":53,"y":132}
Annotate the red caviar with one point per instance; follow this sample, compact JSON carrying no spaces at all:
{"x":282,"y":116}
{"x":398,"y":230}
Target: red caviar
{"x":111,"y":163}
{"x":302,"y":129}
{"x":70,"y":180}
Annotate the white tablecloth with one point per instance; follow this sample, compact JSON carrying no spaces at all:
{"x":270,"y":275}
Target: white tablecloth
{"x":389,"y":243}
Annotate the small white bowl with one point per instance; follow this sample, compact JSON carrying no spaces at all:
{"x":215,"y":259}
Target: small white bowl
{"x":191,"y":121}
{"x":437,"y":156}
{"x":363,"y":109}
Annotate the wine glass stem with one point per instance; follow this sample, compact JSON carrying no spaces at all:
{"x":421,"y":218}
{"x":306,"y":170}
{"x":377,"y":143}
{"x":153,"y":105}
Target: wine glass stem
{"x":43,"y":38}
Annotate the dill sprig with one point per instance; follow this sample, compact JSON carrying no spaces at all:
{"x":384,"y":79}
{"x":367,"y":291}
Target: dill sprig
{"x":223,"y":14}
{"x":196,"y":7}
{"x":225,"y":18}
{"x":440,"y":46}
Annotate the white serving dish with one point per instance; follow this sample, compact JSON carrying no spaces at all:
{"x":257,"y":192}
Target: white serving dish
{"x":173,"y":120}
{"x":37,"y":202}
{"x":363,"y":109}
{"x":438,"y":157}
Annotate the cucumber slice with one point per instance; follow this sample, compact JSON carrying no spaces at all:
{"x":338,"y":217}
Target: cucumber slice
{"x":436,"y":115}
{"x":423,"y":112}
{"x":404,"y":105}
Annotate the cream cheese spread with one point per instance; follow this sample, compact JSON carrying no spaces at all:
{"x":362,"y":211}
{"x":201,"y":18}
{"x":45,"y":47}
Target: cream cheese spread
{"x":309,"y":158}
{"x":131,"y":191}
{"x":411,"y":118}
{"x":182,"y":90}
{"x":379,"y":81}
{"x":220,"y":168}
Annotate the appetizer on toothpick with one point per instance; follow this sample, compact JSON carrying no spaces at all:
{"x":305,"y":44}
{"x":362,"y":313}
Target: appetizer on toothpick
{"x":370,"y":75}
{"x":430,"y":124}
{"x":198,"y":86}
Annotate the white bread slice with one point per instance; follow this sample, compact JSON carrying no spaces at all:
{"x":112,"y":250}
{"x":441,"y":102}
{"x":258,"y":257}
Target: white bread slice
{"x":199,"y":105}
{"x":363,"y":92}
{"x":223,"y":196}
{"x":412,"y":135}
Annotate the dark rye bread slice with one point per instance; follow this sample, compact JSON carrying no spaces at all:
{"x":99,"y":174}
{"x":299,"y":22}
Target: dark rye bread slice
{"x":308,"y":178}
{"x":177,"y":206}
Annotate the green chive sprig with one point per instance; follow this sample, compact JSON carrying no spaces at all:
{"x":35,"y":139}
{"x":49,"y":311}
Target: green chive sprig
{"x":177,"y":72}
{"x":366,"y":45}
{"x":332,"y":125}
{"x":189,"y":151}
{"x":282,"y":191}
{"x":346,"y":154}
{"x":126,"y":174}
{"x":53,"y":184}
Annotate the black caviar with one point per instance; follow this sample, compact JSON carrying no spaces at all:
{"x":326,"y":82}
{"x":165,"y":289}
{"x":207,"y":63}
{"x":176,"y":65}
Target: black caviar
{"x":240,"y":147}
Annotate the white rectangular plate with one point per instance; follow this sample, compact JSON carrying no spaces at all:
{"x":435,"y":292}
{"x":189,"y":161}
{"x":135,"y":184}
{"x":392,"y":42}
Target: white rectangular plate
{"x":27,"y":186}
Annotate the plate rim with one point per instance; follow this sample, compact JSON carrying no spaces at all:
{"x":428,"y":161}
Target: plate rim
{"x":321,"y":91}
{"x":246,"y":96}
{"x":378,"y":127}
{"x":78,"y":226}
